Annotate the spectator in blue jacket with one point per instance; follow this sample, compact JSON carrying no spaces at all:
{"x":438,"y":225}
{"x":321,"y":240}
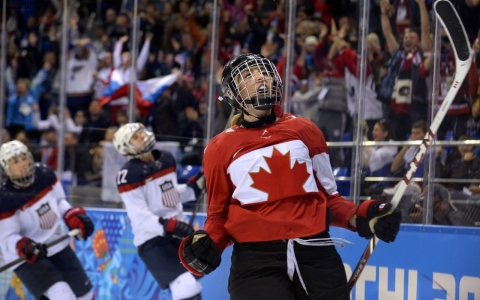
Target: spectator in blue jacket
{"x":21,"y":97}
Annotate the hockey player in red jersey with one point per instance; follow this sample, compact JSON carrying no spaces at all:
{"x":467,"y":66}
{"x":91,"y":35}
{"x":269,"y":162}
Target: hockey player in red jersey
{"x":32,"y":205}
{"x":148,"y":186}
{"x":271,"y":193}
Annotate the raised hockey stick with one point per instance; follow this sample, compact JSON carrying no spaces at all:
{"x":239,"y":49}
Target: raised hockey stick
{"x":463,"y":57}
{"x":72,"y":233}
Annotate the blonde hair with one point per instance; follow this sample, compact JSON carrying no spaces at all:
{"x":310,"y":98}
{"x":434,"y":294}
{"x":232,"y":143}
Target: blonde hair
{"x":373,"y":38}
{"x":25,"y":81}
{"x":235,"y":119}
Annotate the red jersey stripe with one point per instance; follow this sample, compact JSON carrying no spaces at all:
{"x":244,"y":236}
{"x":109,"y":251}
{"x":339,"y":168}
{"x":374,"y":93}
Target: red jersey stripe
{"x":36,"y":198}
{"x":6,"y":215}
{"x":132,"y":186}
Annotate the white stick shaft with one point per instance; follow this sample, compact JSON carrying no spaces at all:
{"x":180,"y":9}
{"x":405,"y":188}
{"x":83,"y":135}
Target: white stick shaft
{"x":462,"y":68}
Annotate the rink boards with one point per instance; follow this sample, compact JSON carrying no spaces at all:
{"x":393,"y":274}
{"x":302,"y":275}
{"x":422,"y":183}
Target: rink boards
{"x":425,"y":262}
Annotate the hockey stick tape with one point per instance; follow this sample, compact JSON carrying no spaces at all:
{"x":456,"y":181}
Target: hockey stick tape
{"x":373,"y":221}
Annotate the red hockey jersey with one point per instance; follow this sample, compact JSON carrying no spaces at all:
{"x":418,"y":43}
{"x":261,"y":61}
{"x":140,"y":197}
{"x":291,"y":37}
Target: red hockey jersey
{"x":271,"y":183}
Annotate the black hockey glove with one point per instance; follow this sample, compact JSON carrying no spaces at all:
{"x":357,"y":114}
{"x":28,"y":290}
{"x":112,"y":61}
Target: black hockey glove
{"x":197,"y":183}
{"x":177,"y":228}
{"x":33,"y":251}
{"x":379,"y":218}
{"x":199,"y":254}
{"x":76,"y":217}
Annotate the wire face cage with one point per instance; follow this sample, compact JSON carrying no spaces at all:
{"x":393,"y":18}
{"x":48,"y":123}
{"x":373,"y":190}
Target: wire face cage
{"x":252,"y":81}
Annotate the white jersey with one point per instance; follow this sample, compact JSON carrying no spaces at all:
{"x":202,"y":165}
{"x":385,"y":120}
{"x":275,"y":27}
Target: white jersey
{"x":35,"y":212}
{"x":381,"y":156}
{"x":149,"y":191}
{"x":122,"y":75}
{"x":373,"y":107}
{"x":102,"y":81}
{"x":79,"y":77}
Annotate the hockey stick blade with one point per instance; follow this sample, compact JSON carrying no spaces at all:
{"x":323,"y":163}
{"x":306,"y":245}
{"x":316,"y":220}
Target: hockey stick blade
{"x":454,"y":28}
{"x":70,"y":234}
{"x":463,"y":59}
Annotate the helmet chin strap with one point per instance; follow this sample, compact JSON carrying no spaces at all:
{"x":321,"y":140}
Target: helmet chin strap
{"x":262,"y":121}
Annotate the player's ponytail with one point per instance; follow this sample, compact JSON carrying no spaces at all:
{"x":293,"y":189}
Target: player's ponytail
{"x":235,"y":119}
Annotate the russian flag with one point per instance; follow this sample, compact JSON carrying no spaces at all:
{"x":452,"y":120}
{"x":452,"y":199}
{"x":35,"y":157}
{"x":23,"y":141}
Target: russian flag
{"x":180,"y":58}
{"x":146,"y":91}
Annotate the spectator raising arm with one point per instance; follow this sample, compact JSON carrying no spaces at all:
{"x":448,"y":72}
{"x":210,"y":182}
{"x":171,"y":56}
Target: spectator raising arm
{"x":22,"y":97}
{"x":37,"y":82}
{"x":392,"y":44}
{"x":143,"y":56}
{"x":11,"y":89}
{"x":92,"y":59}
{"x":425,"y":41}
{"x":117,"y":51}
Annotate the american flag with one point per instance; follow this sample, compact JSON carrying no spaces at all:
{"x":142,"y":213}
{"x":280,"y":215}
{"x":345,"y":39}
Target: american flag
{"x":170,"y":196}
{"x":46,"y":216}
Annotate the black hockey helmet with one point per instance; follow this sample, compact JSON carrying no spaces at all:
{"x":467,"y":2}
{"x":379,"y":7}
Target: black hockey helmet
{"x":239,"y":70}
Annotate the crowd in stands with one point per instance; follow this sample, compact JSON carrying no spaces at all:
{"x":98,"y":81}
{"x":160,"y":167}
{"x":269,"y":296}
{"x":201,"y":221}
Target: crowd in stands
{"x":173,"y":38}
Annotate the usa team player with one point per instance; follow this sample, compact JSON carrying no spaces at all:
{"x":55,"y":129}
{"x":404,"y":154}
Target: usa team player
{"x":271,"y":193}
{"x":32,"y":207}
{"x":148,"y":186}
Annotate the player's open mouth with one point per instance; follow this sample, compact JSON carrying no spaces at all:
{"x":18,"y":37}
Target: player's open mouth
{"x":263,"y":89}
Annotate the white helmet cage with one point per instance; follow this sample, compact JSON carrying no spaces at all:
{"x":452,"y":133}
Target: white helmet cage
{"x":12,"y":150}
{"x":236,"y":79}
{"x":123,"y":136}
